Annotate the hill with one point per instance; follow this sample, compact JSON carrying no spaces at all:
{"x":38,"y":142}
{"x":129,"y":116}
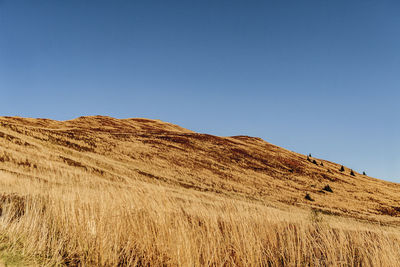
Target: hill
{"x":105,"y":191}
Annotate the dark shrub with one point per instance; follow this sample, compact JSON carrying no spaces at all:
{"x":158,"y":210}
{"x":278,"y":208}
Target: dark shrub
{"x":342,"y":169}
{"x":352,"y":173}
{"x":364,"y":173}
{"x":327,"y":188}
{"x":308,"y":197}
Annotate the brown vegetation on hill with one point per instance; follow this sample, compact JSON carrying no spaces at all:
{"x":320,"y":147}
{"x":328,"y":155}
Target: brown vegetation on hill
{"x":105,"y":191}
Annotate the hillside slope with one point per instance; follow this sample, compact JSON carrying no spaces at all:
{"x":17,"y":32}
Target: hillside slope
{"x":151,"y":151}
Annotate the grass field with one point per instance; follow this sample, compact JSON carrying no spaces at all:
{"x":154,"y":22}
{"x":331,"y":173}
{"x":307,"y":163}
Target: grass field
{"x":104,"y":192}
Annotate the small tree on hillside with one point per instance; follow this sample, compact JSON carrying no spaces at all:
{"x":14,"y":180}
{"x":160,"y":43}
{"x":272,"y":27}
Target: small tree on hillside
{"x":352,"y":173}
{"x":342,"y":169}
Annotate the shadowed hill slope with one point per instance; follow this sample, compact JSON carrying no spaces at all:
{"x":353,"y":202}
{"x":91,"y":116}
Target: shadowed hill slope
{"x":155,"y":152}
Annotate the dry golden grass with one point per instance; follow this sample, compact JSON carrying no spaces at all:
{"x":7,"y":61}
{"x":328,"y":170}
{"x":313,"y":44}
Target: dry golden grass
{"x":104,"y":192}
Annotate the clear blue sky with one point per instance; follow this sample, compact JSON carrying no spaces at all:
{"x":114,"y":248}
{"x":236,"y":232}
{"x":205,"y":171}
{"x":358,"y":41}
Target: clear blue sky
{"x":320,"y":77}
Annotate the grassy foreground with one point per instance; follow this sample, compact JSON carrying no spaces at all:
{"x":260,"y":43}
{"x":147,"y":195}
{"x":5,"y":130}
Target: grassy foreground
{"x":92,"y":222}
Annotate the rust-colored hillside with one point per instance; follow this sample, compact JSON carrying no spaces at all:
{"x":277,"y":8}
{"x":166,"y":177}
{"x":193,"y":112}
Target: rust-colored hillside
{"x":152,"y":151}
